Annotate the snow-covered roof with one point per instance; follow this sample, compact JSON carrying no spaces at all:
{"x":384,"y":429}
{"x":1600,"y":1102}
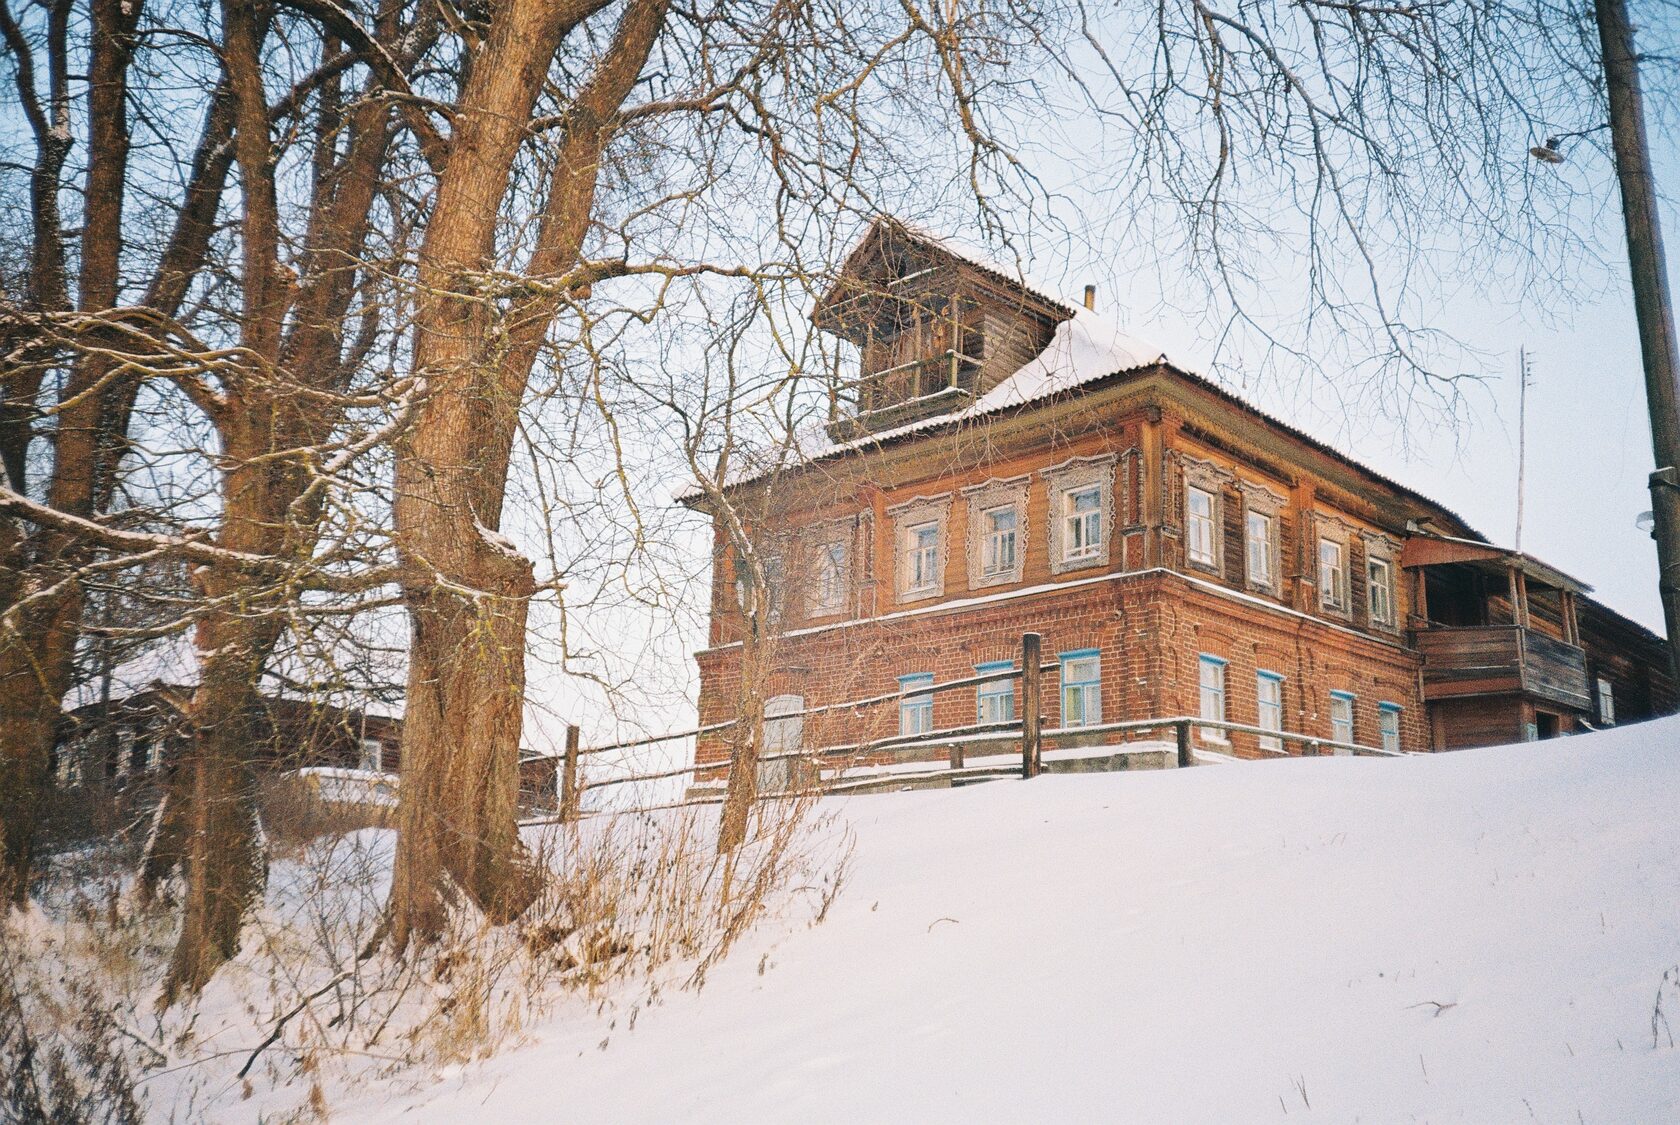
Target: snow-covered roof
{"x":1085,"y":348}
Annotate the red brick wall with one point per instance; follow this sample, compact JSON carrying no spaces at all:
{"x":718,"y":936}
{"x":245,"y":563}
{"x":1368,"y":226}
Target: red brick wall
{"x":1149,"y":628}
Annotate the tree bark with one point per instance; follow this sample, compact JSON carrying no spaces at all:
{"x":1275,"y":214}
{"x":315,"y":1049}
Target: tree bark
{"x":467,"y":590}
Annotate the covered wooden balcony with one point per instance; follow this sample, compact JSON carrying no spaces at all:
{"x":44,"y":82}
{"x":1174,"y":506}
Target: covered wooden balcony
{"x":1494,"y":622}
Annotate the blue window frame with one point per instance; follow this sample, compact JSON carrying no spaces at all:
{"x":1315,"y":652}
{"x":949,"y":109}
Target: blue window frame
{"x":1341,"y":716}
{"x":1081,"y":687}
{"x":915,"y":712}
{"x":1388,"y":725}
{"x":995,"y":699}
{"x":1210,"y":682}
{"x":1268,"y":692}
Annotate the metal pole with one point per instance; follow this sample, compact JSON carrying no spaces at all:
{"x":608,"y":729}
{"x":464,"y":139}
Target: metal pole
{"x":1651,"y":302}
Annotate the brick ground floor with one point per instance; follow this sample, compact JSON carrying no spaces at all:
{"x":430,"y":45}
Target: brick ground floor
{"x":1152,"y":631}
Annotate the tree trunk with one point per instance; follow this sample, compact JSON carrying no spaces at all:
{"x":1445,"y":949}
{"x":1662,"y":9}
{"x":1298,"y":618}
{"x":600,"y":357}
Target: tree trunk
{"x":458,"y":798}
{"x":223,"y":865}
{"x":746,"y":743}
{"x":35,"y":664}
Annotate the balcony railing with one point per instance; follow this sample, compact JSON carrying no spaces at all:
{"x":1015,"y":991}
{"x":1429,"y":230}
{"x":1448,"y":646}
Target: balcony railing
{"x":1502,"y":660}
{"x":905,"y":393}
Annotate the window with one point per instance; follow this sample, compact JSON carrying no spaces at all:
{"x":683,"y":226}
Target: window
{"x":1388,"y":725}
{"x":831,"y":579}
{"x":995,"y":698}
{"x":373,"y":755}
{"x":1211,"y":676}
{"x":1082,"y":531}
{"x":1332,"y":574}
{"x":125,"y":751}
{"x":1260,"y":567}
{"x":1081,"y":688}
{"x":921,"y":566}
{"x":784,"y":733}
{"x":997,"y":529}
{"x":1080,"y":492}
{"x":1269,"y":691}
{"x":1606,"y":703}
{"x":998,"y":547}
{"x":915,"y":712}
{"x":1380,"y":581}
{"x":770,"y":602}
{"x":1199,"y":527}
{"x":1341,"y":716}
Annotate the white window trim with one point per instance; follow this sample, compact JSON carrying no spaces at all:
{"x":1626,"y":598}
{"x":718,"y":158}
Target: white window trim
{"x":1071,"y":476}
{"x":912,"y":514}
{"x":1383,"y":549}
{"x":1372,"y":563}
{"x":1341,"y":603}
{"x":1605,"y":693}
{"x":374,"y":748}
{"x":1261,"y":501}
{"x":1214,"y":517}
{"x":987,"y":497}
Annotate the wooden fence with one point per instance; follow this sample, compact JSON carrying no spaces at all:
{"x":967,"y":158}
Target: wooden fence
{"x":1029,"y":731}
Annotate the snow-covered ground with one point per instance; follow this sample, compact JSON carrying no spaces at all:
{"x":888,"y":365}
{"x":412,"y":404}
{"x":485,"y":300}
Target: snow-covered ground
{"x":1476,"y":937}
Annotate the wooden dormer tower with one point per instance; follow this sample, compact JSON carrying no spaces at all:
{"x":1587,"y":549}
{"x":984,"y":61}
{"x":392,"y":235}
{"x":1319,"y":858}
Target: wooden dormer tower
{"x":935,"y":329}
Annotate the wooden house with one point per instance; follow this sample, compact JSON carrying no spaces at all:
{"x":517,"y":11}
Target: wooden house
{"x":1005,"y":462}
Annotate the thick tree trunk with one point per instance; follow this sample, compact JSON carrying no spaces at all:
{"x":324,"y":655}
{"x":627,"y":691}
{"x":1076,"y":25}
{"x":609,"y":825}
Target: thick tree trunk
{"x":457,"y":804}
{"x":35,"y":666}
{"x":223,"y":864}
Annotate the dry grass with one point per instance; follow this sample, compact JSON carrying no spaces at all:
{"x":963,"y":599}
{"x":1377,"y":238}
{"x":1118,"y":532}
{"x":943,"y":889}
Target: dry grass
{"x":635,"y":903}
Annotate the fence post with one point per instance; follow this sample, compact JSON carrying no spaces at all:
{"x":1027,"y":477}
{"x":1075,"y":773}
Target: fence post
{"x":1031,"y":703}
{"x":568,"y":777}
{"x":1181,"y":731}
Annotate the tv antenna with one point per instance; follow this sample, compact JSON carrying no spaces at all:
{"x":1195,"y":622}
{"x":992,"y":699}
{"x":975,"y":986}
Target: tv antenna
{"x":1525,"y":372}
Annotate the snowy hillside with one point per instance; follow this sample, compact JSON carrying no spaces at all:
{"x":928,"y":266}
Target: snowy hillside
{"x":1475,"y":937}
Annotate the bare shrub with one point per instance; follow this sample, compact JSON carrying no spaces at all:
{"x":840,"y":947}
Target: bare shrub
{"x":631,"y":904}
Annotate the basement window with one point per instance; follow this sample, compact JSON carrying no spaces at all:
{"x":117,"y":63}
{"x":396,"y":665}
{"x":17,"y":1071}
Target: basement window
{"x":1081,"y":688}
{"x":1388,"y":724}
{"x":995,"y":699}
{"x":1210,"y":676}
{"x":1341,"y":717}
{"x":915,"y":712}
{"x":1269,"y":693}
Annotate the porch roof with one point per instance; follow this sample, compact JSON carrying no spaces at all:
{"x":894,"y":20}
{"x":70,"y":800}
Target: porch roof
{"x":1437,"y":550}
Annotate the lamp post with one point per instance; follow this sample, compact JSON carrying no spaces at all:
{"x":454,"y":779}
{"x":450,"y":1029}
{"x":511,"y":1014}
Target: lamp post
{"x":1652,"y":307}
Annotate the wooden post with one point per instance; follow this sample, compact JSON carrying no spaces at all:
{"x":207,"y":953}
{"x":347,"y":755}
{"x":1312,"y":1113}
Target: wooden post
{"x":568,"y":777}
{"x":1181,"y":731}
{"x":1031,"y":704}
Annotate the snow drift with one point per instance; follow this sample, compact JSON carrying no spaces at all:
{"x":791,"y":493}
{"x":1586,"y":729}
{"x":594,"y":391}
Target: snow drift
{"x":1484,"y":936}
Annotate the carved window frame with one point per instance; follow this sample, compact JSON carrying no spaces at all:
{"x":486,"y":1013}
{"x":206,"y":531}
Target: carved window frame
{"x":988,"y":496}
{"x":840,"y":533}
{"x":1335,"y":530}
{"x":1078,"y":473}
{"x":915,"y":513}
{"x":1384,"y":549}
{"x":1260,"y":500}
{"x":1204,"y":476}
